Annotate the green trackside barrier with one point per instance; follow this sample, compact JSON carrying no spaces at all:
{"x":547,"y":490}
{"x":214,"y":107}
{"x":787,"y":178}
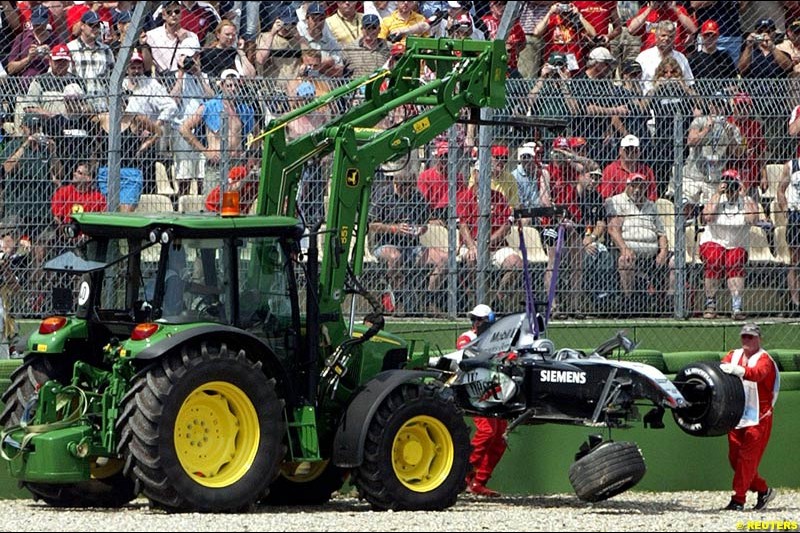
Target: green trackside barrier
{"x":539,"y":457}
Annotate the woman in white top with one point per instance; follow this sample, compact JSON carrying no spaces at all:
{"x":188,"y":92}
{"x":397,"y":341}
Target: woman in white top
{"x":725,"y":241}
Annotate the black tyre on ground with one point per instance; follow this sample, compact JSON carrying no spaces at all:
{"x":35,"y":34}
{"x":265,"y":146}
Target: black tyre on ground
{"x":305,"y":484}
{"x":108,"y":487}
{"x":416,"y":453}
{"x":716,"y":400}
{"x":203,"y":430}
{"x":609,"y":469}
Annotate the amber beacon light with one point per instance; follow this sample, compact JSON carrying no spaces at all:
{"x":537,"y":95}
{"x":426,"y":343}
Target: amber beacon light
{"x":230,"y":204}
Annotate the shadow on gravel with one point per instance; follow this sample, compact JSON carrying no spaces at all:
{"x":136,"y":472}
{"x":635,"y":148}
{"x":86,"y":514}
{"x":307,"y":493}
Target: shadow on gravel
{"x":563,"y":501}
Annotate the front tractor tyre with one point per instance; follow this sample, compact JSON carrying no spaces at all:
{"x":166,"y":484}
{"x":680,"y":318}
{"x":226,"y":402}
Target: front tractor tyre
{"x":202,"y":431}
{"x":609,"y":469}
{"x":716,"y":400}
{"x":416,"y":453}
{"x":107,"y":487}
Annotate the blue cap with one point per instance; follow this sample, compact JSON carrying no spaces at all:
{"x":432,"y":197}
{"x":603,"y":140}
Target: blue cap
{"x":90,"y":17}
{"x":121,"y":17}
{"x":289,"y":16}
{"x":371,"y":20}
{"x":40,"y":15}
{"x":315,"y":9}
{"x":306,"y":90}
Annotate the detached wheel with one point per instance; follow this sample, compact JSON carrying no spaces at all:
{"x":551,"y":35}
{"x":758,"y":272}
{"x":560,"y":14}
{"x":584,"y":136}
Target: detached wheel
{"x":202,"y":431}
{"x":416,"y":452}
{"x":108,"y":487}
{"x":609,"y":469}
{"x":716,"y":400}
{"x":305,"y":484}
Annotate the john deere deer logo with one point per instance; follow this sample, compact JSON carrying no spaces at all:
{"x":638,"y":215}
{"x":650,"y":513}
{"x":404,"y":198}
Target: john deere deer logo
{"x":352,"y":177}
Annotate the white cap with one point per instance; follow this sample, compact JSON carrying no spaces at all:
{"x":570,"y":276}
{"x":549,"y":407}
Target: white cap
{"x":528,"y":148}
{"x":629,"y":140}
{"x":601,"y":53}
{"x":228,"y":72}
{"x":481,"y":311}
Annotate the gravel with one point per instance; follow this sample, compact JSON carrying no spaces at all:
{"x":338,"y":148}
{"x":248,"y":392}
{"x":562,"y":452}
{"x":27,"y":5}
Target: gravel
{"x":631,"y":511}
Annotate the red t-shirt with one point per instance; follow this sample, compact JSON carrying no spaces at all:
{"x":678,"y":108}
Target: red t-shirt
{"x":515,"y":39}
{"x":561,"y":36}
{"x":75,"y":12}
{"x":467,"y":210}
{"x":562,"y":189}
{"x":648,"y":30}
{"x":598,"y":14}
{"x":615,"y":179}
{"x":433,"y":186}
{"x":68,"y":200}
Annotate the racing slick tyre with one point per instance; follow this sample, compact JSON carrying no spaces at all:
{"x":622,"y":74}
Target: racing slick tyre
{"x":305,"y":484}
{"x":202,"y":430}
{"x":108,"y":487}
{"x":716,"y":400}
{"x":609,"y":469}
{"x":416,"y":453}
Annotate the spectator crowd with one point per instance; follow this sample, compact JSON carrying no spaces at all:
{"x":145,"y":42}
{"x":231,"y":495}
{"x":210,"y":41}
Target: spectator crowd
{"x":642,"y":117}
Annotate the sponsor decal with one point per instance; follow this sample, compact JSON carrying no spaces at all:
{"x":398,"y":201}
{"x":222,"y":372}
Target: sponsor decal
{"x":562,"y":376}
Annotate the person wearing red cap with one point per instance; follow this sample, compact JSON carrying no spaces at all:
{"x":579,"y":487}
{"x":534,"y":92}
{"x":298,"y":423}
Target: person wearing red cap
{"x":46,"y":92}
{"x":502,"y":180}
{"x":725,"y":241}
{"x":242,"y":180}
{"x":433,"y":182}
{"x":638,"y":233}
{"x":515,"y":39}
{"x":709,"y":62}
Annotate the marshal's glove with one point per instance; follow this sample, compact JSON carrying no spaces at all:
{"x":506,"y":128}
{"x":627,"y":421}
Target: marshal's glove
{"x":734,"y":370}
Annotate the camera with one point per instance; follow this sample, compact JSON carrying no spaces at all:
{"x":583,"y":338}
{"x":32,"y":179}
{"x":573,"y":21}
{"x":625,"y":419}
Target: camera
{"x":563,"y":8}
{"x":759,"y":38}
{"x":311,"y":73}
{"x":40,"y":138}
{"x":42,"y":50}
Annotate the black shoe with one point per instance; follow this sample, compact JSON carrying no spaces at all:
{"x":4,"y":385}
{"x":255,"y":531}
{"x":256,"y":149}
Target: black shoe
{"x":764,"y":498}
{"x":736,"y":506}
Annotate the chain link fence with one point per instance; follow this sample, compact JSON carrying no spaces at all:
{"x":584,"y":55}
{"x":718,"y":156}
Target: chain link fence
{"x":184,"y":136}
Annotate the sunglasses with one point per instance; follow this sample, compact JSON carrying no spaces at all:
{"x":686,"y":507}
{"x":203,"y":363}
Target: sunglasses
{"x":173,"y":12}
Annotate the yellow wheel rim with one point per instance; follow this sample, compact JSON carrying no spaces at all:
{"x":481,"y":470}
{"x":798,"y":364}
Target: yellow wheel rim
{"x":216,"y":434}
{"x":422,"y":454}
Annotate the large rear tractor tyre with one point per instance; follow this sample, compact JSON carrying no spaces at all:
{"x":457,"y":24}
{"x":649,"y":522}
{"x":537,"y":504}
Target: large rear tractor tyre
{"x":202,"y":431}
{"x":305,"y":484}
{"x":416,"y":453}
{"x":716,"y":400}
{"x":609,"y":469}
{"x":108,"y":487}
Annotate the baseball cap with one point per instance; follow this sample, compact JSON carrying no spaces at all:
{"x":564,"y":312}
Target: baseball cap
{"x":315,"y":8}
{"x":228,"y":72}
{"x":442,"y":148}
{"x":40,"y":15}
{"x":237,"y":173}
{"x":710,"y":26}
{"x":765,"y":23}
{"x":602,"y":54}
{"x":306,"y":90}
{"x":751,"y":328}
{"x":288,"y":16}
{"x":482,"y":311}
{"x":121,"y":17}
{"x":499,"y":150}
{"x":136,"y":56}
{"x":59,"y":52}
{"x":370,"y":20}
{"x":634,"y":177}
{"x":456,"y":5}
{"x":731,"y":175}
{"x":464,"y":20}
{"x":629,"y":140}
{"x":630,"y":65}
{"x":561,"y":142}
{"x":529,"y":149}
{"x":90,"y":17}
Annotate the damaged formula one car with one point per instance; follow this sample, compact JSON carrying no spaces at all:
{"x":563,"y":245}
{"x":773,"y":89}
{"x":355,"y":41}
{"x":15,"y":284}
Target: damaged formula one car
{"x":512,"y":371}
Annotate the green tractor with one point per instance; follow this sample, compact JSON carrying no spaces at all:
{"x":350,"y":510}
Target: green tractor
{"x":205,"y":361}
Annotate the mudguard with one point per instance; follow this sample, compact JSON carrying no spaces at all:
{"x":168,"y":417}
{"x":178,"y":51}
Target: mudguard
{"x":348,"y":445}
